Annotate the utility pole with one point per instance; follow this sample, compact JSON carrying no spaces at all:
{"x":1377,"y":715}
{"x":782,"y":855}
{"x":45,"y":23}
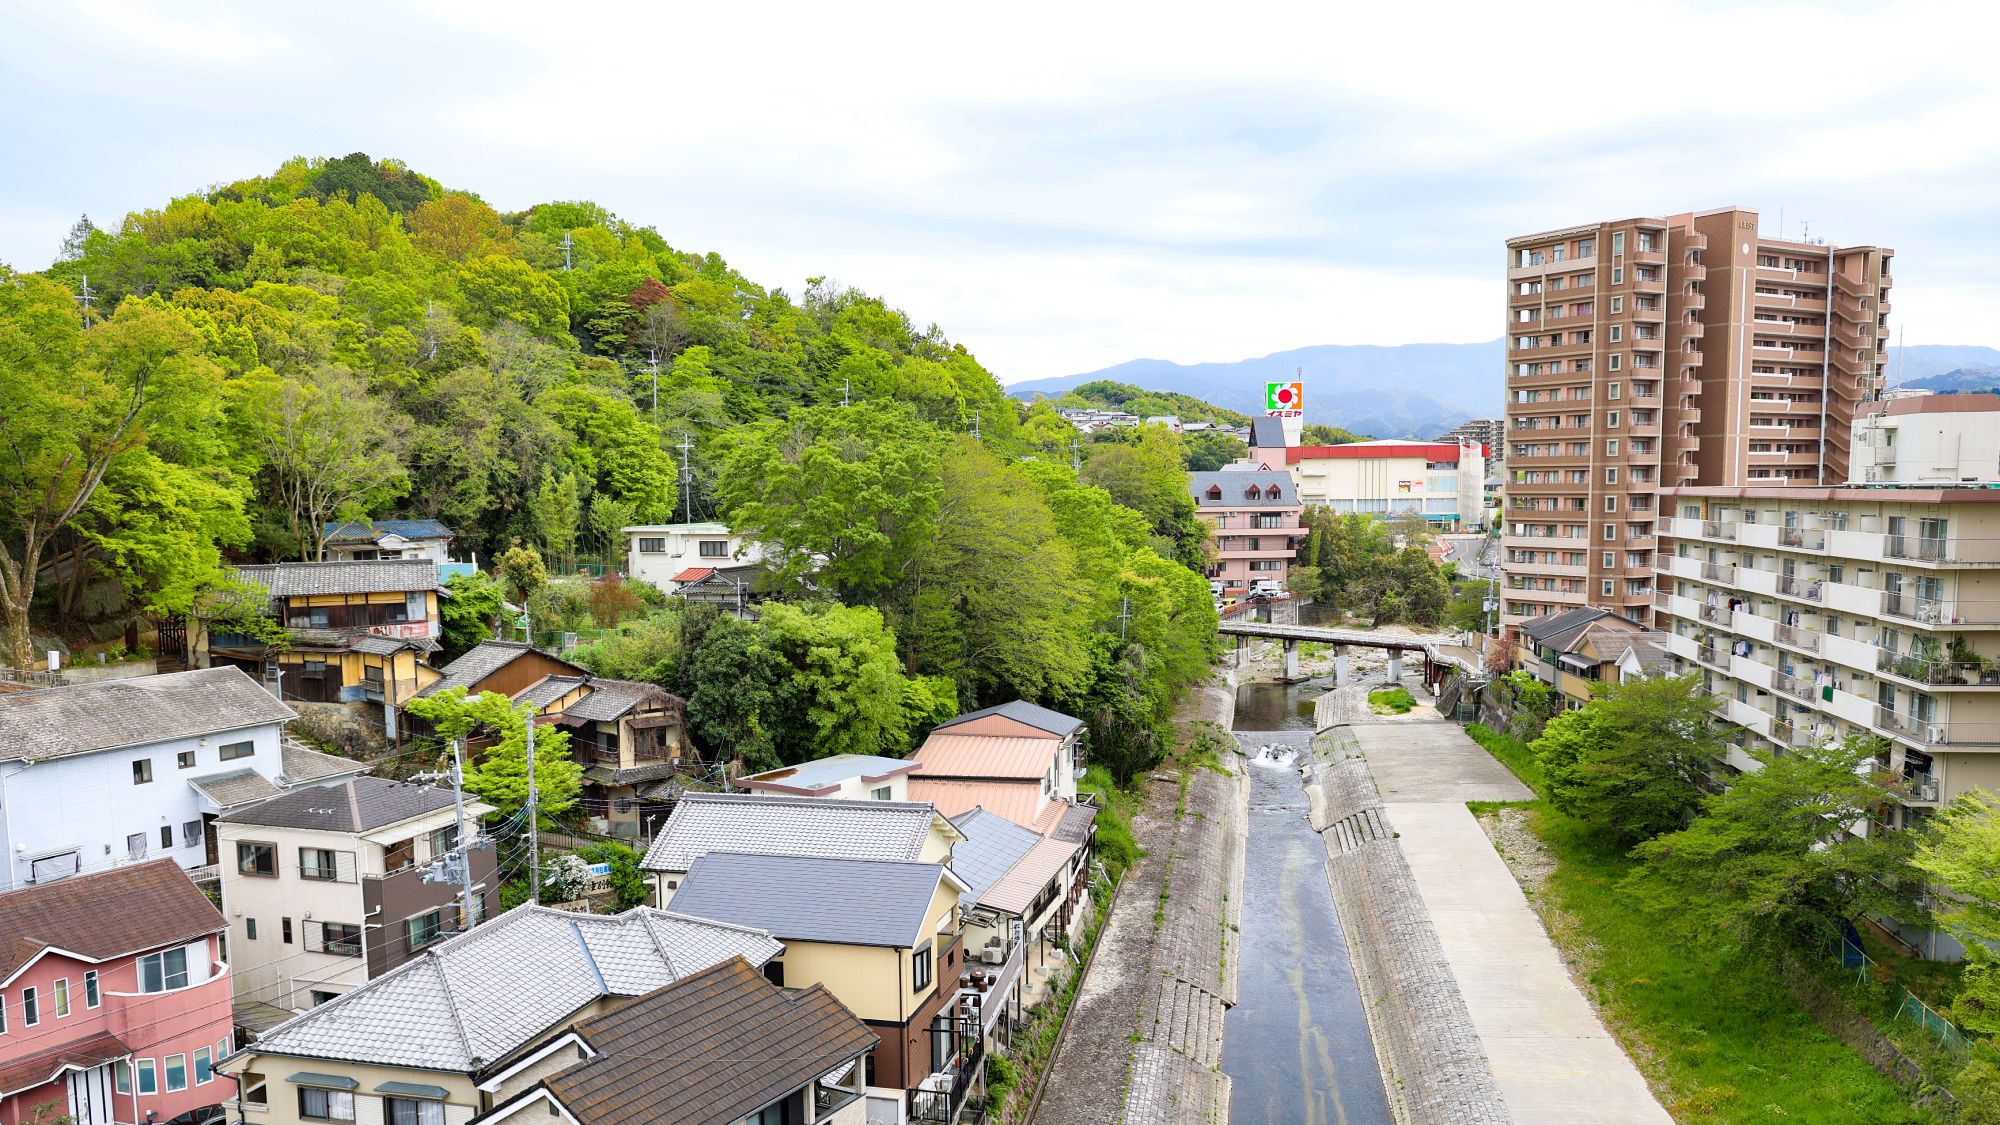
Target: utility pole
{"x":654,"y":363}
{"x":843,"y":391}
{"x":1075,"y":456}
{"x":1124,"y":614}
{"x":534,"y":806}
{"x":458,"y":803}
{"x":566,"y":244}
{"x":975,"y":425}
{"x":687,"y":480}
{"x":84,"y":298}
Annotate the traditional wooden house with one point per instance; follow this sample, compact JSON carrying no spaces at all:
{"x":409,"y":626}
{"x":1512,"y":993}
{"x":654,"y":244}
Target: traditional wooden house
{"x":631,"y":740}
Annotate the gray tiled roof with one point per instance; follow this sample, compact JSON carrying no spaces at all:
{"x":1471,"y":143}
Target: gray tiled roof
{"x":609,"y":700}
{"x":237,"y":787}
{"x":1235,"y":484}
{"x":468,"y":1002}
{"x":773,"y":825}
{"x":650,"y":771}
{"x":84,"y":718}
{"x":1074,"y":827}
{"x":1022,"y":711}
{"x":291,"y":580}
{"x":333,"y":808}
{"x":548,"y":689}
{"x":302,"y":766}
{"x":993,"y":844}
{"x":804,"y":898}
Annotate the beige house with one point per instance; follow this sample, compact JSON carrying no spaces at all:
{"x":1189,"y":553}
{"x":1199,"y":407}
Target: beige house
{"x":472,"y":1021}
{"x":324,"y":889}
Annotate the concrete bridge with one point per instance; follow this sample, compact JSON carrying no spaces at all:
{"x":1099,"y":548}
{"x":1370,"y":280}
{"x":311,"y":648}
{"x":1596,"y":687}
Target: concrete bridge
{"x":1341,"y":640}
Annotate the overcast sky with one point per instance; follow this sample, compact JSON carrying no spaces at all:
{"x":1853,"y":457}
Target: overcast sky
{"x":1064,"y":186}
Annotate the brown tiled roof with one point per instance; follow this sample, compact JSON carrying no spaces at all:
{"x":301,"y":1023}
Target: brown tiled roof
{"x":714,"y":1046}
{"x":45,"y":1066}
{"x":99,"y":916}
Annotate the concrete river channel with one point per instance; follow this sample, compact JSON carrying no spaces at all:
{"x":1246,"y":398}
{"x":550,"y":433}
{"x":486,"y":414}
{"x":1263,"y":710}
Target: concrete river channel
{"x":1296,"y":1045}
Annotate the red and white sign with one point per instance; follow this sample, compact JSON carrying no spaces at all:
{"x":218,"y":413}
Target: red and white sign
{"x":406,"y":630}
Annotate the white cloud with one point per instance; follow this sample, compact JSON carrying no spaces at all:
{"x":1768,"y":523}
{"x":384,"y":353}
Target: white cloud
{"x":221,"y":36}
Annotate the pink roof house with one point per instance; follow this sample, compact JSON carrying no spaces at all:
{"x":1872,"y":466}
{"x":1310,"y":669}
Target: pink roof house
{"x":114,"y":1002}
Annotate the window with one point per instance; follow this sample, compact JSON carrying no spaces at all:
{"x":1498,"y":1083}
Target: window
{"x":285,"y":930}
{"x":1611,"y":531}
{"x":1611,"y":447}
{"x":166,"y":837}
{"x":774,"y":971}
{"x":121,"y":1076}
{"x":650,"y":546}
{"x":445,"y":839}
{"x":59,"y":992}
{"x":31,"y":1007}
{"x":1618,"y":243}
{"x":920,"y":969}
{"x":177,"y":1072}
{"x":185,"y":759}
{"x":1607,"y":587}
{"x":89,"y":989}
{"x":1611,"y":419}
{"x":1611,"y":476}
{"x":425,"y":929}
{"x":341,"y":937}
{"x":53,"y":867}
{"x":1610,"y":503}
{"x":881,"y":794}
{"x":163,"y":971}
{"x":257,"y":859}
{"x":413,"y":1111}
{"x":148,"y":1082}
{"x":1617,"y":275}
{"x":712,"y":549}
{"x":142,"y":771}
{"x":1617,"y":362}
{"x":250,"y":928}
{"x":319,"y":997}
{"x":401,"y":854}
{"x":318,"y":863}
{"x":326,"y":1105}
{"x":204,"y":1071}
{"x":237,"y":750}
{"x":135,"y":846}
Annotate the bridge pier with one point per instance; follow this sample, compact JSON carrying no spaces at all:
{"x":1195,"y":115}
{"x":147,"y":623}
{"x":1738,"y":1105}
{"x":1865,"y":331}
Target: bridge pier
{"x":1242,"y":650}
{"x":1395,"y":666}
{"x":1339,"y":665}
{"x":1291,"y":659}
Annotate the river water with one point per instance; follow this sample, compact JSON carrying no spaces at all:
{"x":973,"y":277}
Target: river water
{"x":1296,"y":1045}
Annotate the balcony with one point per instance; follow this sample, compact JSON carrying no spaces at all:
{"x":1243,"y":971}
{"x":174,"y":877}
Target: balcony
{"x":1694,"y":300}
{"x":1688,"y":359}
{"x":1716,"y":529}
{"x":1693,"y":271}
{"x":1804,"y":590}
{"x":1653,"y":313}
{"x":1940,"y":611}
{"x":1719,"y":615}
{"x":1713,"y":657}
{"x":1795,"y":686}
{"x":1693,"y":329}
{"x":1793,"y":635}
{"x":1719,"y":572}
{"x":1663,"y":599}
{"x":1654,"y":286}
{"x":1693,"y":240}
{"x":1936,"y":673}
{"x":1647,"y":258}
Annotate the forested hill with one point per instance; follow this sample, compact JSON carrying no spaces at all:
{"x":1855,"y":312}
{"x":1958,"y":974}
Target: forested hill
{"x":500,"y":351}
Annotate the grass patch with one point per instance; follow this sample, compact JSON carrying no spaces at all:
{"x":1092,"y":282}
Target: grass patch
{"x":1725,"y":1034}
{"x":1514,"y":754}
{"x":1488,"y":808}
{"x":1391,"y":701}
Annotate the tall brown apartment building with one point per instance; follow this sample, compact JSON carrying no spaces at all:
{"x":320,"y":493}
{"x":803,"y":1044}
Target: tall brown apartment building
{"x":1646,"y":354}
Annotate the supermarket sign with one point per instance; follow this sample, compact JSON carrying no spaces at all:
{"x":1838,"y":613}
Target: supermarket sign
{"x":1285,"y":400}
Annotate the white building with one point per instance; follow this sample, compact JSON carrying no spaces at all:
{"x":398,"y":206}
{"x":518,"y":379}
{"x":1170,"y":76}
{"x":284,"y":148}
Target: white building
{"x":1928,"y":439}
{"x":99,"y":775}
{"x":658,"y":553}
{"x":1444,"y":482}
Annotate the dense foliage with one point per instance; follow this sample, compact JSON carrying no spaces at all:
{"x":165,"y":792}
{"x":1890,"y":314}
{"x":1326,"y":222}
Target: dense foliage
{"x":1353,"y":562}
{"x":349,"y":338}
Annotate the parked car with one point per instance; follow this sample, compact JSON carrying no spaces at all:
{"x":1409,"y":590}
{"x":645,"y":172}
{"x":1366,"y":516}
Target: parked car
{"x":1266,"y":588}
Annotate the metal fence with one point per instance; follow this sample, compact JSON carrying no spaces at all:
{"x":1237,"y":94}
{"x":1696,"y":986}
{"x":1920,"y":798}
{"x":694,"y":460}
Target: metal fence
{"x":1910,"y":1008}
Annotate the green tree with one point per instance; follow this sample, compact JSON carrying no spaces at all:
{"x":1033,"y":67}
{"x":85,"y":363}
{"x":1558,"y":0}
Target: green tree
{"x":1146,"y":475}
{"x":1773,"y":861}
{"x":1207,"y":452}
{"x":626,"y":877}
{"x":734,"y":678}
{"x":844,"y":690}
{"x":498,"y":289}
{"x":557,"y":510}
{"x":1961,"y":851}
{"x":500,"y":776}
{"x":841,"y":498}
{"x":469,"y":612}
{"x":1635,"y":767}
{"x":332,"y":451}
{"x":522,"y":568}
{"x":75,"y":402}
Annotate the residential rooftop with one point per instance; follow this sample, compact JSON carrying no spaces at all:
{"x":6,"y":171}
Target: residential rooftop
{"x":61,"y":722}
{"x":359,"y":804}
{"x":824,"y":775}
{"x":104,"y":915}
{"x":809,"y":898}
{"x":1021,"y":711}
{"x":373,"y":576}
{"x":801,"y":826}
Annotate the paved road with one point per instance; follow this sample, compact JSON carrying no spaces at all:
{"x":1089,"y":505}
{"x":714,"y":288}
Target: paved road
{"x":1434,"y":760}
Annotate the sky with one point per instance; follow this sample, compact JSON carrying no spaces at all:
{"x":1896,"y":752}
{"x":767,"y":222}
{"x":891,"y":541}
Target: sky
{"x":1064,"y":186}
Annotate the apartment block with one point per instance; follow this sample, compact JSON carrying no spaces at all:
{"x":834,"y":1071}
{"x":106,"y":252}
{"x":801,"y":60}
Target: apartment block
{"x":1653,"y":353}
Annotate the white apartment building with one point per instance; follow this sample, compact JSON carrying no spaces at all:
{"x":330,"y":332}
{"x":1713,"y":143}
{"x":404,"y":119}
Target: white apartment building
{"x":1445,"y":482}
{"x":668,"y":554}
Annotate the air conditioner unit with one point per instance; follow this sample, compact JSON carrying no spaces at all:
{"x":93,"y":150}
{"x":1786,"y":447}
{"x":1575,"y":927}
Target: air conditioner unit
{"x":993,"y":956}
{"x":1937,"y":735}
{"x":1930,"y":792}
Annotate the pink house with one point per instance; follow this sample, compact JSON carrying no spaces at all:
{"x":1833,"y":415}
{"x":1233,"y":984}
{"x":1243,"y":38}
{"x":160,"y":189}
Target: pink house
{"x":114,"y":1003}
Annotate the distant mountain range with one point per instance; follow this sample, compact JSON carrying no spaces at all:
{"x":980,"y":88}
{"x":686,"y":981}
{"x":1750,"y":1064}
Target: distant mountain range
{"x":1423,"y":390}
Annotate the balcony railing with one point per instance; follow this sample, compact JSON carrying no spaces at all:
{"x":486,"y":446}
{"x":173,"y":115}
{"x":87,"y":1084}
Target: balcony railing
{"x":1920,"y":548}
{"x":1936,"y":672}
{"x":1797,"y":637}
{"x":1794,"y":686}
{"x":1888,"y":720}
{"x":1718,"y":572}
{"x":1663,"y":599}
{"x":1713,"y":657}
{"x":1805,"y":539}
{"x":1719,"y":615}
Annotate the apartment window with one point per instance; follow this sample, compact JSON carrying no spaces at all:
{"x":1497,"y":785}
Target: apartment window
{"x":185,"y":759}
{"x":90,"y":999}
{"x":326,"y":1105}
{"x":712,"y":549}
{"x":177,"y":1072}
{"x":318,"y":863}
{"x":31,"y":1007}
{"x":257,"y":859}
{"x":121,"y":1076}
{"x":652,"y":546}
{"x":164,"y":971}
{"x":237,"y":750}
{"x":1611,"y":447}
{"x":881,"y":794}
{"x":204,"y":1069}
{"x":135,"y":846}
{"x":445,"y":839}
{"x":1611,"y":420}
{"x":920,"y":969}
{"x":1607,"y":587}
{"x":191,"y":833}
{"x":413,"y":1111}
{"x":142,"y":771}
{"x":148,"y":1081}
{"x":401,"y":854}
{"x":1617,"y":362}
{"x":343,"y":938}
{"x":1611,"y":476}
{"x":1617,"y":275}
{"x":1618,"y":243}
{"x":166,"y":837}
{"x":59,"y":992}
{"x":285,"y":930}
{"x":1617,"y":333}
{"x":425,"y":929}
{"x":1610,"y":503}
